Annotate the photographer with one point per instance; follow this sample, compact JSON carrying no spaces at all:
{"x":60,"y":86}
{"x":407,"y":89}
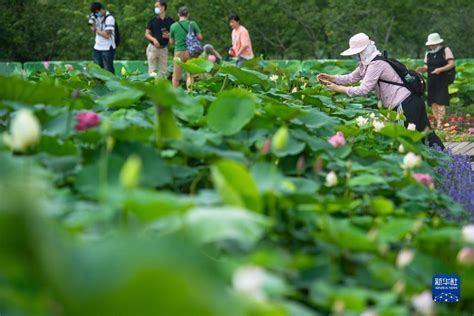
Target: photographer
{"x":102,"y":23}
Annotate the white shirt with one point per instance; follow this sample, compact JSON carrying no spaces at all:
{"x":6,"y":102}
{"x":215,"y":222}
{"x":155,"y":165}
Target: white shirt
{"x":102,"y":43}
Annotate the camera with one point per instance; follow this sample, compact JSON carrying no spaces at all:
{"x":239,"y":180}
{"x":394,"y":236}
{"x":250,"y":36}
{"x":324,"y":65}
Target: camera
{"x":91,"y":19}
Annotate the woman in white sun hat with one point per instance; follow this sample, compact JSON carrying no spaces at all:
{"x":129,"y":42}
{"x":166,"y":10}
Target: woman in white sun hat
{"x":439,"y":62}
{"x":377,"y":75}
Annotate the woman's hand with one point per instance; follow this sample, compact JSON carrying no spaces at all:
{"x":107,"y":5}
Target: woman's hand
{"x":325,"y":77}
{"x":336,"y":88}
{"x":437,"y":71}
{"x":421,"y":70}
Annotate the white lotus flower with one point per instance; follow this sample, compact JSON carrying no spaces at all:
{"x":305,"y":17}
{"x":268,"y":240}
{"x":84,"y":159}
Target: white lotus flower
{"x":361,"y":121}
{"x":331,"y":179}
{"x":468,"y":233}
{"x":378,"y":125}
{"x":411,"y":127}
{"x":401,"y":149}
{"x":404,"y":258}
{"x":411,"y":161}
{"x":423,"y":303}
{"x":249,"y":280}
{"x":372,"y":115}
{"x":25,"y":131}
{"x":273,"y":77}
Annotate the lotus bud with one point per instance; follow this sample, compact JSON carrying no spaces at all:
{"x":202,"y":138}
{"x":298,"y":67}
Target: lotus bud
{"x":249,"y":281}
{"x":423,"y":303}
{"x":280,"y":139}
{"x":130,"y":173}
{"x":362,"y":121}
{"x":411,"y":161}
{"x":266,"y":146}
{"x":404,"y":258}
{"x":331,"y":179}
{"x":25,"y":131}
{"x":466,"y":256}
{"x":378,"y":126}
{"x":468,"y":233}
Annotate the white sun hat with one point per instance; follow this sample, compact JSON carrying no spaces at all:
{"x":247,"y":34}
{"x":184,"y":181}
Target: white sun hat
{"x":357,"y":44}
{"x":434,"y":39}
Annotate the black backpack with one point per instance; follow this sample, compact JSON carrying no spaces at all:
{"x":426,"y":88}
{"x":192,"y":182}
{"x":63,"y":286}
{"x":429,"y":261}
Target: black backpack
{"x":451,"y":74}
{"x":116,"y":31}
{"x":412,"y":80}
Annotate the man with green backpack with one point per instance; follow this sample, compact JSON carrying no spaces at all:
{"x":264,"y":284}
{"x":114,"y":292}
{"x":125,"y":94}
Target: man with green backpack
{"x":186,"y":37}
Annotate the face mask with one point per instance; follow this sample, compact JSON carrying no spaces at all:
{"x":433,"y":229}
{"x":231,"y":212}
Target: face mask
{"x":356,"y":57}
{"x":157,"y":11}
{"x":98,"y":14}
{"x":434,"y":50}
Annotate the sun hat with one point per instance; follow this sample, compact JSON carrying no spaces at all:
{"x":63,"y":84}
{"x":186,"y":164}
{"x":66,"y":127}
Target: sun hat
{"x":434,"y":39}
{"x":357,"y":44}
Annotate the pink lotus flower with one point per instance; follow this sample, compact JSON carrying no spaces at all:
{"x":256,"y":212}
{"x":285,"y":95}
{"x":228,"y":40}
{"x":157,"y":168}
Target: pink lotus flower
{"x":86,"y":120}
{"x":423,"y":303}
{"x":425,"y":179}
{"x":471,"y":130}
{"x":466,"y":256}
{"x":211,"y":58}
{"x":46,"y":65}
{"x":69,"y":67}
{"x":337,"y":140}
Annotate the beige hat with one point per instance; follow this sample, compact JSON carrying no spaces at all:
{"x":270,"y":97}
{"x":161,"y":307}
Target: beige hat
{"x":357,"y":44}
{"x":434,"y":39}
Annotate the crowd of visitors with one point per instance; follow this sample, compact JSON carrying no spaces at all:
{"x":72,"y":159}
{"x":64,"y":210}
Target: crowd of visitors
{"x":394,"y":85}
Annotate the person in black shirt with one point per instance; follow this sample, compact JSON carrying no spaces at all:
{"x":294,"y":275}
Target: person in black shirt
{"x":439,"y":63}
{"x":157,"y":33}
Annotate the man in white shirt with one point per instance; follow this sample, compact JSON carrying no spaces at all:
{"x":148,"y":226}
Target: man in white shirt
{"x":102,"y":23}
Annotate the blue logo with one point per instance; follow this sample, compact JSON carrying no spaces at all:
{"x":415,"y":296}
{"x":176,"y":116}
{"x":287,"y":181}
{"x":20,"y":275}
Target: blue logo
{"x":446,"y":288}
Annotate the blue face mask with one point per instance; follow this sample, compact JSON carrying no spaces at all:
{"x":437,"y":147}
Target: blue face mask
{"x":98,"y":14}
{"x":157,"y":11}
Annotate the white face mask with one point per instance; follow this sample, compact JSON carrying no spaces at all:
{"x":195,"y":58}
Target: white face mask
{"x":368,"y":54}
{"x":434,"y":50}
{"x":157,"y":11}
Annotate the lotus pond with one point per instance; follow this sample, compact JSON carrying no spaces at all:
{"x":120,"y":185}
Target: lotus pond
{"x":256,"y":193}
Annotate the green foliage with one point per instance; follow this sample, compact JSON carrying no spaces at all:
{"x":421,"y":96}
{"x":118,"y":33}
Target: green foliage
{"x":57,"y":29}
{"x":232,"y":211}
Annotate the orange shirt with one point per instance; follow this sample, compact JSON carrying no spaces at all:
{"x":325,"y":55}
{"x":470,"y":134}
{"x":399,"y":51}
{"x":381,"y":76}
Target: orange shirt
{"x":240,"y":38}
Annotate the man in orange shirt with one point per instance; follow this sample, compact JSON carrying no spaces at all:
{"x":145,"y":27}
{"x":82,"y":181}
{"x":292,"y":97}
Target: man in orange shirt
{"x":241,"y":44}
